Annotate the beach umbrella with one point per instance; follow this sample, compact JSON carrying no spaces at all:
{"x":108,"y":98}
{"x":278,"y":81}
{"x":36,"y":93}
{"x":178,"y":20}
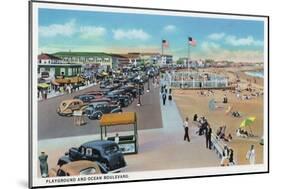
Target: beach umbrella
{"x":43,"y":85}
{"x":212,"y":104}
{"x":248,"y":122}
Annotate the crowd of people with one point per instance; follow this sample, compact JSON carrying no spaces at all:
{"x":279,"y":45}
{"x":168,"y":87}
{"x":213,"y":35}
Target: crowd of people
{"x":204,"y":129}
{"x":166,"y":92}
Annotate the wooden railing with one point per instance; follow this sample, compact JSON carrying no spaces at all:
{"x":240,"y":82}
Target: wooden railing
{"x":217,"y":145}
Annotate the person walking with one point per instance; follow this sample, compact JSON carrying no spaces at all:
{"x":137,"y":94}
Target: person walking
{"x":251,"y":155}
{"x":208,"y":135}
{"x":44,"y":170}
{"x":225,"y":156}
{"x":231,"y":160}
{"x":186,"y":128}
{"x":164,"y":96}
{"x":225,"y":100}
{"x":170,"y":95}
{"x":116,"y":138}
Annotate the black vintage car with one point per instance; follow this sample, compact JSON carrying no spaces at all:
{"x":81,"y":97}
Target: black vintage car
{"x":96,"y":110}
{"x":130,"y":89}
{"x":104,"y":83}
{"x":107,"y":153}
{"x":86,"y":98}
{"x":122,"y":100}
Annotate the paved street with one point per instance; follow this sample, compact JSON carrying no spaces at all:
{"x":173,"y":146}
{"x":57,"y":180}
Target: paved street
{"x":51,"y":125}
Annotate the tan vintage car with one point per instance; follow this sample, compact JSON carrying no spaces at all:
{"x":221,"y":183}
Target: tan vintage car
{"x":67,"y":107}
{"x":76,"y":168}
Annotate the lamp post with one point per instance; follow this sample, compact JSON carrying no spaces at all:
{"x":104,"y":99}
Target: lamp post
{"x":148,"y":84}
{"x":139,"y":102}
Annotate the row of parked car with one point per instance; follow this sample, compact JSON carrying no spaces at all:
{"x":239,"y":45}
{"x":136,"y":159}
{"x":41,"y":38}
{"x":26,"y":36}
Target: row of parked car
{"x":109,"y":99}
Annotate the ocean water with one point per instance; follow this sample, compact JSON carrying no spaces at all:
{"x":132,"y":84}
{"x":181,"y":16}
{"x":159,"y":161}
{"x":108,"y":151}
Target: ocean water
{"x":255,"y":73}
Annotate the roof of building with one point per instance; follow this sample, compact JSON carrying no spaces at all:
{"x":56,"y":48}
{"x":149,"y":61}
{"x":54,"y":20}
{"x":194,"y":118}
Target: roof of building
{"x":123,"y":118}
{"x":130,"y":55}
{"x":150,"y":54}
{"x":45,"y":56}
{"x":63,"y":54}
{"x":60,"y":65}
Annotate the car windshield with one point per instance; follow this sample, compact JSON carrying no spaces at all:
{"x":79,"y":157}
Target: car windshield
{"x":111,"y":149}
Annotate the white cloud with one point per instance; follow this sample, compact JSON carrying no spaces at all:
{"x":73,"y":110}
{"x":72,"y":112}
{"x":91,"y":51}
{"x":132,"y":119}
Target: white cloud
{"x":170,"y":28}
{"x":88,"y":32}
{"x":210,"y":46}
{"x":247,"y":41}
{"x":120,"y":34}
{"x":234,"y":40}
{"x":216,"y":51}
{"x":66,"y":29}
{"x":216,"y":36}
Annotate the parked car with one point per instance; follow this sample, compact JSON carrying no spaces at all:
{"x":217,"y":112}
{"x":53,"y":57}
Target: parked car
{"x":95,"y":93}
{"x":107,"y":153}
{"x":104,"y":83}
{"x":112,"y":87}
{"x":96,"y":110}
{"x":87,"y":98}
{"x":122,"y":100}
{"x":130,"y":89}
{"x":76,"y":168}
{"x":67,"y":107}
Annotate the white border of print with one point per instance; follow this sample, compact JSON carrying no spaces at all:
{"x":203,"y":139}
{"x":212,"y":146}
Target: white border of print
{"x":36,"y":182}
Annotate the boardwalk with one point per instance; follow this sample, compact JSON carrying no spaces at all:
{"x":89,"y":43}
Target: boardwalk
{"x":165,"y":148}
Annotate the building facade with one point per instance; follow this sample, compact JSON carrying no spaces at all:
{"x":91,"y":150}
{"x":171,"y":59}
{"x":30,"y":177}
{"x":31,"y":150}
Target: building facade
{"x":104,"y":60}
{"x":45,"y":58}
{"x":166,"y":59}
{"x":54,"y":70}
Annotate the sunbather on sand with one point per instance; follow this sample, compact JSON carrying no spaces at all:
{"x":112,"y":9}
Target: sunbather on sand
{"x":241,"y":133}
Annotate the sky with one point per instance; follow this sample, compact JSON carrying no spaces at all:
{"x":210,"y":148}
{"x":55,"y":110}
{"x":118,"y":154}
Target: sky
{"x":92,"y":31}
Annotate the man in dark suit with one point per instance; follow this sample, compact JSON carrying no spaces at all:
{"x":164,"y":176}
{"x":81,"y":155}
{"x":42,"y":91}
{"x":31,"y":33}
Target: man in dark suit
{"x":44,"y":165}
{"x":164,"y":96}
{"x":208,"y":135}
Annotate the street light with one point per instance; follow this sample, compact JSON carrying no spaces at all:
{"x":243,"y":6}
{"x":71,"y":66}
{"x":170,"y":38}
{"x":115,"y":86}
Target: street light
{"x":148,"y":84}
{"x":139,"y":102}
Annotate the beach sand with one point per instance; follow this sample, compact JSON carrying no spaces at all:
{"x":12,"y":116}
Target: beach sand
{"x":190,"y":102}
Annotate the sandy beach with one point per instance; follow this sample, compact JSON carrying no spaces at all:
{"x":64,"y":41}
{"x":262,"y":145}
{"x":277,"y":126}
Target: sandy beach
{"x":190,"y":102}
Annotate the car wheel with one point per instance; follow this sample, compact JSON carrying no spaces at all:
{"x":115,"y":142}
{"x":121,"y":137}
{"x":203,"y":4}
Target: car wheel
{"x":99,"y":115}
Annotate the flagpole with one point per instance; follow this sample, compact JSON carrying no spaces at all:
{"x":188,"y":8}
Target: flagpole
{"x":188,"y":55}
{"x":162,"y":51}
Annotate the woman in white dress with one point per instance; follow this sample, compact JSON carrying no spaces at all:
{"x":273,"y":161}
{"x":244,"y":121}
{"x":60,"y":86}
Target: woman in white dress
{"x":251,"y":155}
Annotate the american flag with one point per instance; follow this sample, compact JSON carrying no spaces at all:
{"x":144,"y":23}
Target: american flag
{"x":191,"y":41}
{"x":165,"y":44}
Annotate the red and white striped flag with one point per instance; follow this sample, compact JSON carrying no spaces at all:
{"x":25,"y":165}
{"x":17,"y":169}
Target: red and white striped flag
{"x":191,"y":41}
{"x":165,"y":43}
